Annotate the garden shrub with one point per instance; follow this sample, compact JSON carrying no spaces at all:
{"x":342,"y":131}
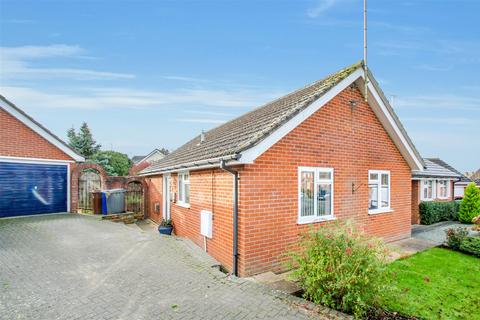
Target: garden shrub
{"x":455,"y":236}
{"x":433,"y":212}
{"x":339,"y":267}
{"x":470,"y":205}
{"x":471,"y":245}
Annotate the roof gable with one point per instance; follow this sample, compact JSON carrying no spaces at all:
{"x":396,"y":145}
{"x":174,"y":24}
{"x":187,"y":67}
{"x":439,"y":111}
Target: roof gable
{"x":248,"y":136}
{"x":36,"y":127}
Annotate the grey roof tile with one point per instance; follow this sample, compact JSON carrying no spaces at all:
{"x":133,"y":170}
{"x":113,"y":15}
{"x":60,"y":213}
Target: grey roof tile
{"x":437,"y":168}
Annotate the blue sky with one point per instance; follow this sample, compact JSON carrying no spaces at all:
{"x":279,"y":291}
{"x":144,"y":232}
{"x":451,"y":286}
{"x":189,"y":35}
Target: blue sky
{"x":148,"y":74}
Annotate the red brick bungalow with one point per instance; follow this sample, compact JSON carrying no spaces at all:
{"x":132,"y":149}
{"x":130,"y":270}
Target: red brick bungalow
{"x":315,"y":155}
{"x":35,"y":166}
{"x":436,"y":182}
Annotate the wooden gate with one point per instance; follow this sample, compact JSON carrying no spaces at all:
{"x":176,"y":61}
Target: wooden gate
{"x":88,"y":182}
{"x":134,"y":197}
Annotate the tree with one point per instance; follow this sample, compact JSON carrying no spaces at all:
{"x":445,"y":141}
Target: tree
{"x":83,"y":141}
{"x":114,"y":163}
{"x":470,"y":205}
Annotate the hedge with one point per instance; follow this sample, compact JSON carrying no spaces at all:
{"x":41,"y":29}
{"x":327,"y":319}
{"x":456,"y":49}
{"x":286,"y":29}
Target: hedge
{"x":471,"y":245}
{"x":433,"y":212}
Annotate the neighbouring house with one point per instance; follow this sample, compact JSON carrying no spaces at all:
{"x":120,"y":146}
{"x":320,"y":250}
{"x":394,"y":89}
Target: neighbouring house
{"x":35,"y":166}
{"x":142,"y":162}
{"x":460,"y":183}
{"x":436,"y":182}
{"x":245,"y":190}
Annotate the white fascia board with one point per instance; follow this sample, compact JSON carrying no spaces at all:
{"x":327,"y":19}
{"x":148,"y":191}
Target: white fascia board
{"x":34,"y":160}
{"x":392,"y":128}
{"x":39,"y":130}
{"x":248,"y":156}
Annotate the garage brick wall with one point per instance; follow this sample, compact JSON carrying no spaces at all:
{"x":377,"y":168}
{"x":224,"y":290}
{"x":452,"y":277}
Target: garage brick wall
{"x":18,"y":140}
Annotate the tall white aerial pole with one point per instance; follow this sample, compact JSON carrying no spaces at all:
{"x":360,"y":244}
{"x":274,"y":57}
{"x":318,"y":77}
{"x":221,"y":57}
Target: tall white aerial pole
{"x":365,"y":66}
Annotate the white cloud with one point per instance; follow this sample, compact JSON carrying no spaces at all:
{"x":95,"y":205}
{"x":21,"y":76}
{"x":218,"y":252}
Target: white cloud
{"x":198,"y":120}
{"x":103,"y":98}
{"x":321,"y":7}
{"x":439,"y":102}
{"x":458,"y":121}
{"x":16,"y":63}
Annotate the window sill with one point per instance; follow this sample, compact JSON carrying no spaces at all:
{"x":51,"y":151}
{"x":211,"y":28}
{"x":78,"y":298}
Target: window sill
{"x":183,"y":205}
{"x":380,"y":211}
{"x":317,"y":219}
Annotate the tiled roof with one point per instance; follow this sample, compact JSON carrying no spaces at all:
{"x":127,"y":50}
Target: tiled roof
{"x":136,"y":159}
{"x":232,"y":138}
{"x":437,"y":168}
{"x":249,"y":129}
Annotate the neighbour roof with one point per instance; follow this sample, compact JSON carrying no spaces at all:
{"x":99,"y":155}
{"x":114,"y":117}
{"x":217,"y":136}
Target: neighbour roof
{"x":229,"y":140}
{"x":136,"y":159}
{"x":18,"y":113}
{"x":437,"y":168}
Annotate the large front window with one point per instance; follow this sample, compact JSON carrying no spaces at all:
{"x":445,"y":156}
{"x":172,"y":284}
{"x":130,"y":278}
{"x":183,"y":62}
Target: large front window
{"x":443,"y":189}
{"x":378,"y":191}
{"x":184,"y":188}
{"x":427,"y":189}
{"x":315,"y":194}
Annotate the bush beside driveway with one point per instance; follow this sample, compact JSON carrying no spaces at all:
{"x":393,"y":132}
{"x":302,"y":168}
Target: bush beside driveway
{"x":77,"y":267}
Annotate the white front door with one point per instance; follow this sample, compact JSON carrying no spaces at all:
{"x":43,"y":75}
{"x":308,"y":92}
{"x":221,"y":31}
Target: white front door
{"x":166,"y":196}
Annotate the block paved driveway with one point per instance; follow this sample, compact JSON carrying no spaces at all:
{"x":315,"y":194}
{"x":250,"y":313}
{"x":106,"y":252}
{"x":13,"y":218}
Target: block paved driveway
{"x":78,"y":267}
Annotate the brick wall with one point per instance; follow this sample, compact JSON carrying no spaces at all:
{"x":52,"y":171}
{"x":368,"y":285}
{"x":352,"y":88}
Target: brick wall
{"x":155,"y":194}
{"x":210,"y":190}
{"x":351,"y":142}
{"x":18,"y":140}
{"x":415,"y":201}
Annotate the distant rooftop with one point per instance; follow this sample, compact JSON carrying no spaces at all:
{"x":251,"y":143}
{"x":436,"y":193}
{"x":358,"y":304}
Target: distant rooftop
{"x":437,"y":168}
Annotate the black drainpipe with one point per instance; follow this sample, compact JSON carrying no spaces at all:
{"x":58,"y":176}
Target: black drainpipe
{"x":235,"y":214}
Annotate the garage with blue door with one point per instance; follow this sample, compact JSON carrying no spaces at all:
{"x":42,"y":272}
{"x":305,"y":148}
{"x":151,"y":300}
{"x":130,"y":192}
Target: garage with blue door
{"x":28,"y":188}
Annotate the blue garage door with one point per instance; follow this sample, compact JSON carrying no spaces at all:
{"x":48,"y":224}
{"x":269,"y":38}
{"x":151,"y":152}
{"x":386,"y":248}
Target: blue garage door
{"x":27,"y":189}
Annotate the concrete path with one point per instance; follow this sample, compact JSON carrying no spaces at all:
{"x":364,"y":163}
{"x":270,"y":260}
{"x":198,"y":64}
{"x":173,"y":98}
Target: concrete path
{"x":78,"y":267}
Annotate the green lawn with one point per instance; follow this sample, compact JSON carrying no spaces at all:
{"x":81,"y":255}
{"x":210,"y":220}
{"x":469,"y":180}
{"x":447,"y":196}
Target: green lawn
{"x":435,"y":284}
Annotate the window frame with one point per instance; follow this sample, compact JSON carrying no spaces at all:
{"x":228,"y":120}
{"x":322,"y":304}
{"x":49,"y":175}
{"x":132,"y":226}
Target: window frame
{"x":316,"y":181}
{"x":422,"y":189}
{"x":380,"y":209}
{"x":181,"y":188}
{"x":447,"y":189}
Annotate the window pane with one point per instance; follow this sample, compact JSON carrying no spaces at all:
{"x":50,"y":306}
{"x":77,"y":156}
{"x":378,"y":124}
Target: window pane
{"x":374,"y":176}
{"x":323,"y":175}
{"x":372,"y":196}
{"x":187,"y":193}
{"x":180,"y":187}
{"x":306,"y":194}
{"x":384,"y":179}
{"x":385,"y":200}
{"x":324,"y":199}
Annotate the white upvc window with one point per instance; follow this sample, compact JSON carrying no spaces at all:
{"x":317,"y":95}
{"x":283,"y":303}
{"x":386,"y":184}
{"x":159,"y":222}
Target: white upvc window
{"x":443,"y":189}
{"x":184,"y":189}
{"x":378,"y":191}
{"x":428,"y":190}
{"x":315,"y":194}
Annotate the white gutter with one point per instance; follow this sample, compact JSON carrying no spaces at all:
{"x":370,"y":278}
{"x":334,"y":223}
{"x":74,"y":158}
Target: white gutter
{"x":197,"y":165}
